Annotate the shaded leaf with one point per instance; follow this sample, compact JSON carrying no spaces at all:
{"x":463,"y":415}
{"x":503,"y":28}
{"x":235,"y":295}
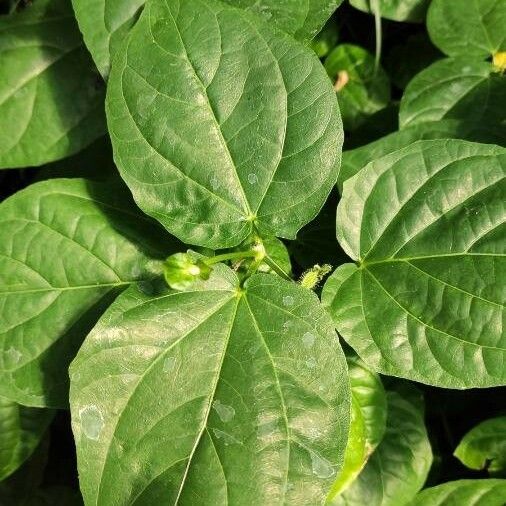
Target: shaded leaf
{"x":396,"y":10}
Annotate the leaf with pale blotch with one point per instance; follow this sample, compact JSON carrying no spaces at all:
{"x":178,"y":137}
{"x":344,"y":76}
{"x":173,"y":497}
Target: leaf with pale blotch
{"x":245,"y":134}
{"x":178,"y":398}
{"x":425,"y":300}
{"x":67,"y":248}
{"x":51,"y":98}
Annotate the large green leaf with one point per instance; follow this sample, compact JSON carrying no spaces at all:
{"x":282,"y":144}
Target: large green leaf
{"x":469,"y":29}
{"x":361,"y":88}
{"x":397,"y":10}
{"x":367,"y":427}
{"x":470,"y":91}
{"x":484,"y":446}
{"x":425,"y":300}
{"x":246,"y":131}
{"x":21,"y":430}
{"x":51,"y":99}
{"x":217,"y":395}
{"x":105,"y":23}
{"x":398,"y":468}
{"x":67,"y":247}
{"x":464,"y":492}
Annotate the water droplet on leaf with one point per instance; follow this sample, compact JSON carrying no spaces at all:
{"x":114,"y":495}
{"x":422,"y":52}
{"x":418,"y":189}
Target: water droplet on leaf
{"x":321,"y":467}
{"x":226,"y":413}
{"x":288,"y":300}
{"x":92,"y":422}
{"x":308,"y":339}
{"x":252,"y":178}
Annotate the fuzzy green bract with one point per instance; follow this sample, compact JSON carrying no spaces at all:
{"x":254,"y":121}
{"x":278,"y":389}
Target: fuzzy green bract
{"x":105,"y":23}
{"x":235,"y":138}
{"x":425,"y":300}
{"x":51,"y":99}
{"x":67,"y":248}
{"x":176,"y":398}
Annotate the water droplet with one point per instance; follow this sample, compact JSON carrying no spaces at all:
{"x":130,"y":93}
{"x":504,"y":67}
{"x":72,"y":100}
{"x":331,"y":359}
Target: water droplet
{"x":321,"y":388}
{"x":92,"y":422}
{"x":214,"y":182}
{"x":311,"y":363}
{"x":226,"y":413}
{"x":13,"y":355}
{"x":455,"y":87}
{"x":169,"y":364}
{"x":308,"y":339}
{"x":321,"y":467}
{"x":466,"y":69}
{"x":252,"y":178}
{"x":287,"y":326}
{"x":288,"y":300}
{"x":227,"y":438}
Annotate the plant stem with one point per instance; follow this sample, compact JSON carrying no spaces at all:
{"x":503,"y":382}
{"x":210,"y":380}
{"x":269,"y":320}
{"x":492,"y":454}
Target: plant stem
{"x":277,"y":269}
{"x":377,"y":25}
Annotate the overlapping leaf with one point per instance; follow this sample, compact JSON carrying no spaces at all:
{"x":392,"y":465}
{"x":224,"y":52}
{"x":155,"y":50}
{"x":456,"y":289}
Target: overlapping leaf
{"x":220,"y":124}
{"x":105,"y":23}
{"x":425,"y":301}
{"x":180,"y":397}
{"x":51,"y":99}
{"x":67,"y":247}
{"x":398,"y":468}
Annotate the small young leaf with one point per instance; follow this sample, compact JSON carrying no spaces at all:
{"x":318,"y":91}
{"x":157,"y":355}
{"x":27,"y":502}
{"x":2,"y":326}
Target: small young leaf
{"x":397,"y":469}
{"x":361,"y":90}
{"x":468,"y":29}
{"x":472,"y":92}
{"x":484,"y":446}
{"x":21,"y":430}
{"x":67,"y":247}
{"x":105,"y":23}
{"x":219,"y":395}
{"x":245,"y":133}
{"x":51,"y":99}
{"x":425,"y":301}
{"x":396,"y":10}
{"x":464,"y":492}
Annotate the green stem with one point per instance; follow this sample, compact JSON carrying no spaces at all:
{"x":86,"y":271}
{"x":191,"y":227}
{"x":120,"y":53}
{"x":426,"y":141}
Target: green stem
{"x":276,"y":268}
{"x":377,"y":25}
{"x":237,"y":255}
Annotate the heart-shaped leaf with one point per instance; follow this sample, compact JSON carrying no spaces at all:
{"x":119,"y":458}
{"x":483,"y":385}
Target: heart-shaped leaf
{"x":461,"y":89}
{"x":400,"y":464}
{"x":469,"y":29}
{"x":484,"y":446}
{"x":21,"y":430}
{"x":425,"y":301}
{"x":51,"y":99}
{"x":468,"y":492}
{"x":67,"y":247}
{"x":105,"y":23}
{"x":221,"y":125}
{"x":178,"y":398}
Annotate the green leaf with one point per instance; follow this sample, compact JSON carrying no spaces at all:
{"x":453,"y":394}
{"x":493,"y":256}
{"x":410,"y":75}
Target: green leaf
{"x":181,"y":397}
{"x":277,"y":254}
{"x":51,"y":99}
{"x":396,"y":10}
{"x":21,"y":430}
{"x":398,"y":468}
{"x":469,"y":29}
{"x":67,"y":247}
{"x":367,"y":427}
{"x":356,"y":159}
{"x":484,"y":446}
{"x":105,"y":23}
{"x":464,"y":492}
{"x":218,"y":148}
{"x":469,"y":91}
{"x":361,"y":90}
{"x":425,"y":301}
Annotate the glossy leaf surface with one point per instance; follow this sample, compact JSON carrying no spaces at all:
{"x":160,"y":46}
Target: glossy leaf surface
{"x":361,"y":91}
{"x":461,"y":89}
{"x":245,"y":133}
{"x":468,"y":492}
{"x":21,"y":429}
{"x":67,"y":247}
{"x":177,"y":398}
{"x":425,"y":301}
{"x":396,"y":10}
{"x":484,"y":446}
{"x":51,"y":99}
{"x":469,"y":29}
{"x":105,"y":23}
{"x":397,"y":470}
